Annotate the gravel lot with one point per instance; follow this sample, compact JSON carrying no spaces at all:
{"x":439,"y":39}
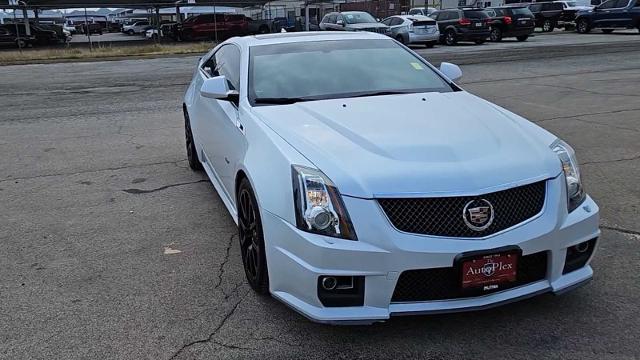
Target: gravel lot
{"x":96,"y":200}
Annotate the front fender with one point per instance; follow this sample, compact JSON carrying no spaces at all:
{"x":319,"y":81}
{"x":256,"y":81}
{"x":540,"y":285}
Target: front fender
{"x":267,"y":164}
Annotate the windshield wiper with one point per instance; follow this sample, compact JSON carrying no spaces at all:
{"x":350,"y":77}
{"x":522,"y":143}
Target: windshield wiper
{"x":377,"y":93}
{"x":279,"y":100}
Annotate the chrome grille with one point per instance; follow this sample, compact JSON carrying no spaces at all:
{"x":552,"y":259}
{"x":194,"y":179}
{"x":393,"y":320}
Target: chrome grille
{"x":443,"y":216}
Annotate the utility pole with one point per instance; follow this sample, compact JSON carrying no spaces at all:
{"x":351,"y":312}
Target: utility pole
{"x":86,"y":28}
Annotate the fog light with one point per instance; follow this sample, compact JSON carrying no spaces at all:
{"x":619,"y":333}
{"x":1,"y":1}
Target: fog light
{"x":578,"y":255}
{"x":329,"y":283}
{"x":335,"y":291}
{"x":582,"y":247}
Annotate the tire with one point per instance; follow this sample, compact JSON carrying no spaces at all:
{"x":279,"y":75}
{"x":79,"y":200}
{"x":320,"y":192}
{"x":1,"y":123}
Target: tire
{"x":607,"y":31}
{"x":21,"y":43}
{"x":400,"y":39}
{"x":130,"y":32}
{"x":495,"y":35}
{"x":430,"y":44}
{"x":263,"y":29}
{"x":450,"y":38}
{"x":192,"y":153}
{"x":583,"y":27}
{"x":251,"y":238}
{"x":522,"y":38}
{"x":548,"y":25}
{"x":479,"y":42}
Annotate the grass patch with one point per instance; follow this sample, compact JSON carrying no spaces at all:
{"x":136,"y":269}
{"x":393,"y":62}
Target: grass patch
{"x":100,"y":51}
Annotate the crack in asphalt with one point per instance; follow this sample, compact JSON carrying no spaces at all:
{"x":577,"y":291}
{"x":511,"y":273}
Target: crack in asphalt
{"x":588,"y":114}
{"x":610,"y":161}
{"x":141,"y":191}
{"x":209,"y":338}
{"x":93,"y":171}
{"x":618,"y":229}
{"x":224,"y":262}
{"x":571,"y":88}
{"x":492,"y":81}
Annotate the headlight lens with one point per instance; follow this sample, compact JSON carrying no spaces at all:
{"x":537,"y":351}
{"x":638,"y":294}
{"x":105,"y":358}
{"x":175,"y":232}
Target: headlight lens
{"x":318,"y":204}
{"x":575,"y":190}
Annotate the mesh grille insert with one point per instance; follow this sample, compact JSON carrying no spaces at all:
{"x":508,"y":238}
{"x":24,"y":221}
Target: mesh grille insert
{"x":442,"y":216}
{"x":444,"y":283}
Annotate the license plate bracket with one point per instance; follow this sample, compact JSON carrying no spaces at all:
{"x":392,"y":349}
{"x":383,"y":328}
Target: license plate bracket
{"x":488,"y":271}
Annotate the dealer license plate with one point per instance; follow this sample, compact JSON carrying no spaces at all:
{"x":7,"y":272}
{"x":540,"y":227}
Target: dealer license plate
{"x":488,"y":272}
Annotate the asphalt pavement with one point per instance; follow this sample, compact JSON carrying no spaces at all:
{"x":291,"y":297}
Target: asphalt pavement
{"x":110,"y":247}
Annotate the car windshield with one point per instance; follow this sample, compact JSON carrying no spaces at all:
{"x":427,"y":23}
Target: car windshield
{"x":521,"y":11}
{"x":341,"y":68}
{"x":571,"y":3}
{"x":358,"y":17}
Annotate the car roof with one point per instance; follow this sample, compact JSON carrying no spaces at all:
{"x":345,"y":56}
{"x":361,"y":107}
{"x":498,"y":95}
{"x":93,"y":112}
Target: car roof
{"x":281,"y":38}
{"x":413,"y":17}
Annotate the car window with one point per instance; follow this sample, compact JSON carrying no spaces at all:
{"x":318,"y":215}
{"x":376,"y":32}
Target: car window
{"x":521,"y":11}
{"x":608,"y":4}
{"x":475,"y":14}
{"x":492,"y":12}
{"x":332,"y":18}
{"x":228,"y":64}
{"x":453,"y":15}
{"x":535,"y":7}
{"x":396,"y":21}
{"x":358,"y":17}
{"x":415,"y":12}
{"x":622,"y":3}
{"x":387,"y":21}
{"x":434,"y":15}
{"x":356,"y":67}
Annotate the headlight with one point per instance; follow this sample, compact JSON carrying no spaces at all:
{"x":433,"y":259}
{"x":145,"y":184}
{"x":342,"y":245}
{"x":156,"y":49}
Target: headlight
{"x":318,"y":204}
{"x":575,"y":190}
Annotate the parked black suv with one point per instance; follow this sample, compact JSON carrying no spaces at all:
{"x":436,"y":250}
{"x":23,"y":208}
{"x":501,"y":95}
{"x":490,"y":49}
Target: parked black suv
{"x":611,"y":15}
{"x":40,"y":35}
{"x":8,"y":37}
{"x":510,"y":21}
{"x":462,"y":25}
{"x":547,"y":15}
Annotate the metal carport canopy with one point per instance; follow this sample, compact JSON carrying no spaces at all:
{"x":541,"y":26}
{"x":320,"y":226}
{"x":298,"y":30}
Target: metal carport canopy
{"x":61,"y":4}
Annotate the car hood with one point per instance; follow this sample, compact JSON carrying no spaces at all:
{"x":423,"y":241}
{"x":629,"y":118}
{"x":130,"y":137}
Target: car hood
{"x":366,"y":26}
{"x":433,"y":144}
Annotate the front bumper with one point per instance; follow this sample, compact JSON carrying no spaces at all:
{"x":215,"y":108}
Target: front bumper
{"x":296,"y":259}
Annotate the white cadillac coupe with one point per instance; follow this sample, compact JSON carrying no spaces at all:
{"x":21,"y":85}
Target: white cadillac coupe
{"x":365,"y":183}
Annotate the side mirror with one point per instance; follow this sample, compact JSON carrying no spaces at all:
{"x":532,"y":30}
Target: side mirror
{"x":451,"y":71}
{"x":217,"y":88}
{"x":340,"y":22}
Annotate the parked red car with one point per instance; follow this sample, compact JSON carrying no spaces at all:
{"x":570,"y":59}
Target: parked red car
{"x":206,"y":26}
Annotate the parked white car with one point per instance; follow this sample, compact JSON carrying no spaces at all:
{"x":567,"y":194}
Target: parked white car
{"x":135,"y":28}
{"x":422,"y":11}
{"x":413,"y":29}
{"x":151,"y":34}
{"x":375,"y":186}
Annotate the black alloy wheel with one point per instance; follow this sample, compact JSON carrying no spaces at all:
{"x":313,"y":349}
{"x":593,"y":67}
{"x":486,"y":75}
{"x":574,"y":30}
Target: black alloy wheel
{"x":496,"y":34}
{"x":400,"y":39}
{"x":583,"y":26}
{"x":192,"y":155}
{"x":548,"y":25}
{"x":450,"y":38}
{"x":251,"y":239}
